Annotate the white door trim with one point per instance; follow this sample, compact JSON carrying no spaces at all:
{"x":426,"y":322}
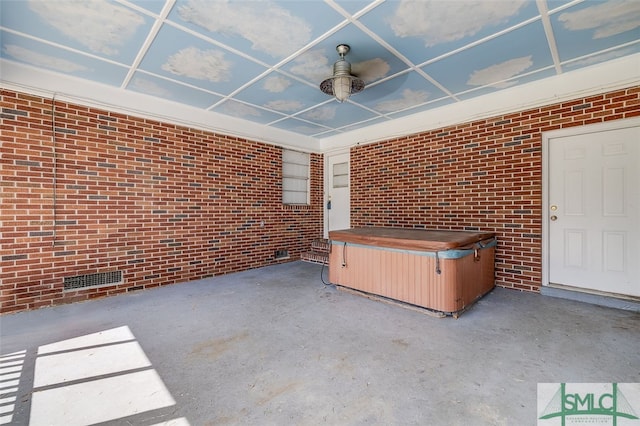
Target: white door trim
{"x":546,"y":137}
{"x":325,"y":195}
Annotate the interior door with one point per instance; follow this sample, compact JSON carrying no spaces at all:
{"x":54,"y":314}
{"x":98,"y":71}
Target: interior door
{"x":594,"y":211}
{"x":337,"y":203}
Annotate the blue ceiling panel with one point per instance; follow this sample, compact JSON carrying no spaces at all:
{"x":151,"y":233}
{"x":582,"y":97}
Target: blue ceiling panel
{"x":153,"y":7}
{"x":511,"y":82}
{"x":556,"y":5}
{"x":300,"y":126}
{"x":266,"y":30}
{"x":335,"y":114}
{"x":353,"y":6}
{"x":282,"y":93}
{"x":404,"y":91}
{"x":493,"y":61}
{"x":604,"y":56}
{"x":42,"y":55}
{"x":171,"y":90}
{"x":178,"y":55}
{"x":363,"y":124}
{"x":594,"y":26}
{"x":433,"y":104}
{"x":424,"y":30}
{"x":246,"y":112}
{"x":106,"y":29}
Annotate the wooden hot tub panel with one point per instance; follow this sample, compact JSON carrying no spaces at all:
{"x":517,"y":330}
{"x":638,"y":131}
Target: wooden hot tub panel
{"x":444,"y":271}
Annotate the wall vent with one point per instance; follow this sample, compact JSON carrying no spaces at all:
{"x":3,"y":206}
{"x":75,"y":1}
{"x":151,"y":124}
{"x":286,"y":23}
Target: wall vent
{"x":92,"y":280}
{"x":281,"y":254}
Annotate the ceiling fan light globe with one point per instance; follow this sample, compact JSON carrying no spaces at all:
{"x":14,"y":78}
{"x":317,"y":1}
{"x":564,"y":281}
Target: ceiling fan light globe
{"x":342,"y":88}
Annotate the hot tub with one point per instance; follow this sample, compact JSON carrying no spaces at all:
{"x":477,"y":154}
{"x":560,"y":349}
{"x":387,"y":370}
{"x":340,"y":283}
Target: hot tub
{"x":443,"y":271}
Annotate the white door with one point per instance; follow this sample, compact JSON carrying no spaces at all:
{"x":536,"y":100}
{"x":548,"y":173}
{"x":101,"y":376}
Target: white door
{"x":337,"y":203}
{"x":594,"y":211}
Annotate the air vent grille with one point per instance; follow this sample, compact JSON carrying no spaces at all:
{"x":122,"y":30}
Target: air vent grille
{"x":281,"y":254}
{"x":92,"y":280}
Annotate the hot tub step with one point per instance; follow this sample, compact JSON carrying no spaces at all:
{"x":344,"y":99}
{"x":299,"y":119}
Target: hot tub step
{"x":319,"y":252}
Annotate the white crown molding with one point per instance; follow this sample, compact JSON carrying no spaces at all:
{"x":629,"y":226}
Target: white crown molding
{"x":611,"y":75}
{"x":40,"y":82}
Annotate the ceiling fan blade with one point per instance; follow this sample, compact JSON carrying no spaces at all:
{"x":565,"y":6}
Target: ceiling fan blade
{"x":371,"y":70}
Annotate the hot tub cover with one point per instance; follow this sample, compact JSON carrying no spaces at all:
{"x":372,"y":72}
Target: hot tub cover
{"x":411,"y":239}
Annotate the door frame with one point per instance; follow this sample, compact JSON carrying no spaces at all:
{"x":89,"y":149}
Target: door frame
{"x":325,"y":195}
{"x":546,"y":139}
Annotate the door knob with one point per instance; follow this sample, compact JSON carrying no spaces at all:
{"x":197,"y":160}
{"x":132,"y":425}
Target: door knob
{"x":554,"y":217}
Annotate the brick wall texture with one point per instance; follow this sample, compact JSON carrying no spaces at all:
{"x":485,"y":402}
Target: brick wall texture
{"x":485,"y":175}
{"x":162,"y":203}
{"x":166,"y":204}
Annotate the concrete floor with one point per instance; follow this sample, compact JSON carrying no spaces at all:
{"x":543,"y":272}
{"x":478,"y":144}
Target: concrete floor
{"x":276,"y":346}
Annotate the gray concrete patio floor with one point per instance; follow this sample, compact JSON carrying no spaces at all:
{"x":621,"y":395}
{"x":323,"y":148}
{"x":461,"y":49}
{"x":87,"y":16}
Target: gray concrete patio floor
{"x":276,"y":346}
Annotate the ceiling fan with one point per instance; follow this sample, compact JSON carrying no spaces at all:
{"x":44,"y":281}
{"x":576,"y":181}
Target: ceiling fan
{"x":342,"y":83}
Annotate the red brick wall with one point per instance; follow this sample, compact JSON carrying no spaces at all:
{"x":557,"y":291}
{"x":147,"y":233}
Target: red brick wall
{"x":160,"y":202}
{"x":484,"y":175}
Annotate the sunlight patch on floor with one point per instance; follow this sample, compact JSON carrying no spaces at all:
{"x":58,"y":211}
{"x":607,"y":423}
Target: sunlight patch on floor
{"x":86,"y":380}
{"x":100,"y":400}
{"x":10,"y":371}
